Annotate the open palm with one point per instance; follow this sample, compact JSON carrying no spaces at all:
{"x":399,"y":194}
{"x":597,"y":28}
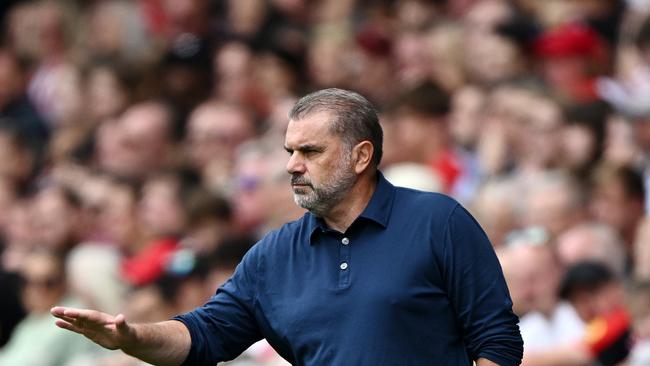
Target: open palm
{"x":108,"y":331}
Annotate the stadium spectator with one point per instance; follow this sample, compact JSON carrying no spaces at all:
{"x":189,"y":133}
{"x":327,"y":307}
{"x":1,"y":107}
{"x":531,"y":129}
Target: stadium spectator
{"x":597,"y":294}
{"x":595,"y":242}
{"x":546,"y":123}
{"x":617,"y":199}
{"x":550,"y":327}
{"x":34,"y":340}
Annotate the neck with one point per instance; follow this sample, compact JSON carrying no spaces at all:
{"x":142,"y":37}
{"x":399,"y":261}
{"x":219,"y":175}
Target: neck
{"x":343,"y":214}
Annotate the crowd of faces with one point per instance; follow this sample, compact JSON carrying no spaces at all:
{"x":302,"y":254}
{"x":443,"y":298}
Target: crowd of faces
{"x":143,"y":141}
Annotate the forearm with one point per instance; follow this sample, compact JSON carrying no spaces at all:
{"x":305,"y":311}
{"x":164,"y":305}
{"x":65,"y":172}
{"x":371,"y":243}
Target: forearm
{"x":165,"y":343}
{"x":561,"y":356}
{"x":485,"y":362}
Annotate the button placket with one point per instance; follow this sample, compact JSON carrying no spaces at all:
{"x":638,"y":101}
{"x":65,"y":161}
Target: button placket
{"x":344,"y":262}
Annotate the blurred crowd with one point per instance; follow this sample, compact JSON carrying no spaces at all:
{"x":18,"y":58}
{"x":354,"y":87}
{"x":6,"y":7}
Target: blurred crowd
{"x":141,"y":146}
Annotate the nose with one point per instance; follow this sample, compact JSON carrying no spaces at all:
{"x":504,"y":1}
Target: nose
{"x":295,"y":164}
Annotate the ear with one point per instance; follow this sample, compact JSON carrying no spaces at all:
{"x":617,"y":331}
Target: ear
{"x":362,"y":155}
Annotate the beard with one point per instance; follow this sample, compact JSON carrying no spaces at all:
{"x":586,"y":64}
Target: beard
{"x":320,"y":198}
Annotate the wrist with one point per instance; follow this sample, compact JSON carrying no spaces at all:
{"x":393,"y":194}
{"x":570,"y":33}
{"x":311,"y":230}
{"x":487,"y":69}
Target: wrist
{"x":129,"y":338}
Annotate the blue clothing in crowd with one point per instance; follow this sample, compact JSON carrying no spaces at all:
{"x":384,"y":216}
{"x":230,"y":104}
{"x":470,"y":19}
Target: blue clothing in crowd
{"x":413,"y":281}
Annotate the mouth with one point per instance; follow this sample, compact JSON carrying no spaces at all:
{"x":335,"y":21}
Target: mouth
{"x":298,"y":182}
{"x":300,"y":187}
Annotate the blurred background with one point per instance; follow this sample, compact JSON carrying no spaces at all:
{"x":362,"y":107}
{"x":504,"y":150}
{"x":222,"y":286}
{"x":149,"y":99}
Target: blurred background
{"x":141,"y":152}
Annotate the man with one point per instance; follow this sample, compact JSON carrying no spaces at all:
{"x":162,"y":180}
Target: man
{"x":371,"y":275}
{"x":592,"y":241}
{"x":551,"y":329}
{"x":139,"y":143}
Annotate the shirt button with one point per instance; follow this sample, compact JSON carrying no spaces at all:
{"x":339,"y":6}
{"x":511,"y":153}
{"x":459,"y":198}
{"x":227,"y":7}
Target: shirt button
{"x":345,"y":241}
{"x":344,"y":266}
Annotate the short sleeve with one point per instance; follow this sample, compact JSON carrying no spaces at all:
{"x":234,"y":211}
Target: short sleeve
{"x":225,"y":326}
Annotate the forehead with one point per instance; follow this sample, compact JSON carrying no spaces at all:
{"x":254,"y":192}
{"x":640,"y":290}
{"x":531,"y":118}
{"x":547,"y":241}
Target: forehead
{"x":315,"y":127}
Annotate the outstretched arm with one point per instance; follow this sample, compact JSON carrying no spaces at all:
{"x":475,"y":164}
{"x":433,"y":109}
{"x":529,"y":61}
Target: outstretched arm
{"x":164,"y":343}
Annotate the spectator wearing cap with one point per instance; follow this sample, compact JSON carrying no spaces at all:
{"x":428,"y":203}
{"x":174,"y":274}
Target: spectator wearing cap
{"x":571,"y":56}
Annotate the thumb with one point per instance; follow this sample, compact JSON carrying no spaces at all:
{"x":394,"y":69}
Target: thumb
{"x":121,"y":324}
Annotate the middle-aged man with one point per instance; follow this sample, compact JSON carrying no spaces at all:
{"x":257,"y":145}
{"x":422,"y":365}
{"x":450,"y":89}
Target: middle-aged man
{"x":371,"y":275}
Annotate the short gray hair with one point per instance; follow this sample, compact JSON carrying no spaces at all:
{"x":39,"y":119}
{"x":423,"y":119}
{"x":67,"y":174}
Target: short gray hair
{"x":355,"y":118}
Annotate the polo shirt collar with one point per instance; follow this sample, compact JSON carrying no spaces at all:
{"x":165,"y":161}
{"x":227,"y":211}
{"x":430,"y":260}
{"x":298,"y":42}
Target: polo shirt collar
{"x":378,"y":209}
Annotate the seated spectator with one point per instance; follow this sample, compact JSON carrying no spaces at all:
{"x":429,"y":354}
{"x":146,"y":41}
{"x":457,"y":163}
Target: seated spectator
{"x":214,"y":132}
{"x":617,"y":199}
{"x":56,"y":218}
{"x":140,"y":142}
{"x":598,"y":297}
{"x":553,"y":200}
{"x":35,"y":341}
{"x":423,"y":132}
{"x":209,"y":221}
{"x":551,"y":328}
{"x":583,"y":137}
{"x":15,"y":106}
{"x":20,"y":159}
{"x":592,"y":241}
{"x":496,"y":209}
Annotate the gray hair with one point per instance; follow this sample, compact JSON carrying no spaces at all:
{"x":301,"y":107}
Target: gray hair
{"x":355,"y":118}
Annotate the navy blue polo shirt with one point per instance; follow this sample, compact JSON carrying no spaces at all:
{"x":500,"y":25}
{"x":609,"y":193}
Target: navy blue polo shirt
{"x":413,"y":281}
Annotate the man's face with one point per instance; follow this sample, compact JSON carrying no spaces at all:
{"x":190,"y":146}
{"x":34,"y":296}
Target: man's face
{"x":320,"y":164}
{"x":216,"y":132}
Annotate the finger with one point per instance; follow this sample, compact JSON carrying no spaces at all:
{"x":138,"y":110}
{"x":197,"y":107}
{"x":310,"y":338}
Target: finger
{"x":58,"y":310}
{"x":67,"y":326}
{"x":66,"y":318}
{"x":88,"y":316}
{"x":60,"y":314}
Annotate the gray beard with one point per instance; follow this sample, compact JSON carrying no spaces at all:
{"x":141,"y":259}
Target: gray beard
{"x":320,"y":200}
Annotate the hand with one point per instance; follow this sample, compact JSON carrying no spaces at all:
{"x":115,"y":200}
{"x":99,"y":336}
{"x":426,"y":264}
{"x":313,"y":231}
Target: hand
{"x":112,"y":332}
